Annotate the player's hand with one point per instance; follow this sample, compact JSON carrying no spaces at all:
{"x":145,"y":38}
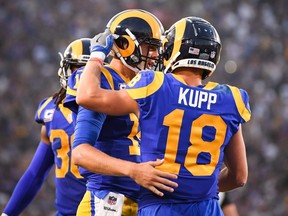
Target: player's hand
{"x":153,"y":179}
{"x":101,"y":45}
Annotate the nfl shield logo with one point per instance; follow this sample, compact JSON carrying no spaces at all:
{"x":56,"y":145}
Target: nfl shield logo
{"x":213,"y":54}
{"x":112,"y":200}
{"x":122,"y":86}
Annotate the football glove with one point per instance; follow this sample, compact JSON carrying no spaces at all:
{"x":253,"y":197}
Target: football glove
{"x":101,"y":45}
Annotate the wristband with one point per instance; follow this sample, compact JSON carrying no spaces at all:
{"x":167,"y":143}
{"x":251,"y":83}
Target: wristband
{"x":97,"y":54}
{"x":97,"y":60}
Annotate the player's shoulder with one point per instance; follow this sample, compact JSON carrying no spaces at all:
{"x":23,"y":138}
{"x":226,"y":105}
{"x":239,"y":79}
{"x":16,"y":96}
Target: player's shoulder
{"x":226,"y":88}
{"x":150,"y":74}
{"x":242,"y":91}
{"x":45,"y":110}
{"x":77,"y":72}
{"x":217,"y":87}
{"x":47,"y":102}
{"x":110,"y":77}
{"x":147,"y":77}
{"x":238,"y":93}
{"x":109,"y":70}
{"x":240,"y":98}
{"x":73,"y":80}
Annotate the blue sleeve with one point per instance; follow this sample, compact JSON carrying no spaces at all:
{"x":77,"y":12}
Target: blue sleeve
{"x":245,"y":98}
{"x":88,"y":126}
{"x":31,"y":181}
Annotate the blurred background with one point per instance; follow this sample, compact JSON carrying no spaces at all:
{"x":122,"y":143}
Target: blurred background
{"x":254,"y":35}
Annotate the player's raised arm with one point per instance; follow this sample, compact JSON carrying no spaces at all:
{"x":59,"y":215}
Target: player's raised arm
{"x":90,"y":94}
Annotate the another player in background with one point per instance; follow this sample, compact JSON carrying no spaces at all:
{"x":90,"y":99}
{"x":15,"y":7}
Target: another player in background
{"x":136,"y":48}
{"x":55,"y":146}
{"x":228,"y":207}
{"x":194,"y":127}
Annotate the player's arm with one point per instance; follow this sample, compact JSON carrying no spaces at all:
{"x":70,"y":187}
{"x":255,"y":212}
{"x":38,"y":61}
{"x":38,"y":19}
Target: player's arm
{"x":235,"y":173}
{"x":33,"y":178}
{"x":144,"y":174}
{"x":90,"y":95}
{"x":84,"y":154}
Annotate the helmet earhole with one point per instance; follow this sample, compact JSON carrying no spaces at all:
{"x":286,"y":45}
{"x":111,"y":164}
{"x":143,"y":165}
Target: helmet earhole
{"x":122,"y":42}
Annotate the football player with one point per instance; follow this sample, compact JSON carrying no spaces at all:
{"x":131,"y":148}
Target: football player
{"x":192,"y":126}
{"x":138,"y":35}
{"x":57,"y":131}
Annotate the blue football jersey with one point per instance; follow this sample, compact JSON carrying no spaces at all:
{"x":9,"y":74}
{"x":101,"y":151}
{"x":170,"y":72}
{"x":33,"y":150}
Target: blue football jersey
{"x":69,"y":184}
{"x":189,"y":127}
{"x":117,"y":137}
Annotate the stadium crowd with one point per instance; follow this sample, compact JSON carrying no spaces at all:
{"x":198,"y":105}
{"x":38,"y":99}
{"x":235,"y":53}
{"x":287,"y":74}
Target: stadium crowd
{"x":254,"y":35}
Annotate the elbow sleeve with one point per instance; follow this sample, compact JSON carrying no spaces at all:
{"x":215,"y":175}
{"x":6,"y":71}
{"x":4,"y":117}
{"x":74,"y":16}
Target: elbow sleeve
{"x":88,"y":126}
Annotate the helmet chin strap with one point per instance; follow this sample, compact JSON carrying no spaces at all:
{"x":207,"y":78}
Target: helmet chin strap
{"x":137,"y":68}
{"x":132,"y":36}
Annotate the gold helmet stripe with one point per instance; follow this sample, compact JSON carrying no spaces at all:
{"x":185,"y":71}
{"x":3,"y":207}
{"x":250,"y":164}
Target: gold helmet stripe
{"x":77,"y":48}
{"x":179,"y":32}
{"x":153,"y":21}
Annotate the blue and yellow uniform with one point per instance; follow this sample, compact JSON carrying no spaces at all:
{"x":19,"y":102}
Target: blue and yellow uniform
{"x":69,"y":184}
{"x":116,"y":138}
{"x":189,"y":127}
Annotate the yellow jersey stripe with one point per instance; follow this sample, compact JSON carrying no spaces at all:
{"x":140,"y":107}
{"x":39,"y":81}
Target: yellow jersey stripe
{"x":149,"y":89}
{"x":86,"y":205}
{"x":243,"y":111}
{"x":43,"y":106}
{"x":109,"y":77}
{"x":179,"y":78}
{"x":127,"y":80}
{"x":67,"y":113}
{"x":210,"y":85}
{"x":71,"y":91}
{"x":105,"y":72}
